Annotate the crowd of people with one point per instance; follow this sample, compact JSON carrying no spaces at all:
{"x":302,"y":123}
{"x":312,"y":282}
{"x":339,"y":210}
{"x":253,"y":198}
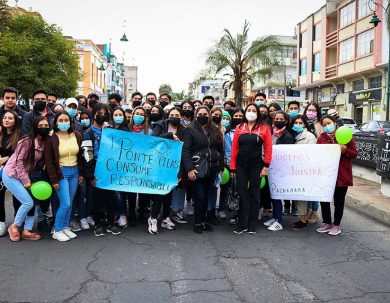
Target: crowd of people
{"x":59,"y":143}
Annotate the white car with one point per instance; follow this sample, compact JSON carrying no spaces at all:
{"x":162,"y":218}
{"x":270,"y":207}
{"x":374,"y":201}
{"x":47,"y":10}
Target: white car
{"x":350,"y":123}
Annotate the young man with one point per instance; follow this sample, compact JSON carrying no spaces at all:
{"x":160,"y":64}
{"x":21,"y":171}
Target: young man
{"x":136,"y":99}
{"x":165,"y":99}
{"x":293,"y":108}
{"x":151,"y":97}
{"x":114,"y":100}
{"x":208,"y":101}
{"x":51,"y":99}
{"x":93,"y":99}
{"x":82,"y":100}
{"x":9,"y":95}
{"x":260,"y":98}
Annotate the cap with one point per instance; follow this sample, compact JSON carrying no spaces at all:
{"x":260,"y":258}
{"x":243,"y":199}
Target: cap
{"x":70,"y":101}
{"x":332,"y":112}
{"x":93,"y":95}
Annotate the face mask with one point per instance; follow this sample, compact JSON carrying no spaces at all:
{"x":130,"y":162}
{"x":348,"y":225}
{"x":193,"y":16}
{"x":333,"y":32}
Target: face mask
{"x":128,"y":120}
{"x":39,"y":105}
{"x":147,"y":112}
{"x":187,"y":113}
{"x":63,"y":126}
{"x":230,"y":111}
{"x":50,"y":105}
{"x":202,"y":120}
{"x":138,"y":119}
{"x":217,"y":120}
{"x":236,"y":121}
{"x":297,"y":128}
{"x":118,"y":120}
{"x":113,"y":105}
{"x":174,"y":121}
{"x":43,"y":132}
{"x":92,"y":103}
{"x":163,"y":104}
{"x":264,"y":116}
{"x":293,"y":112}
{"x":279,"y":124}
{"x":251,"y":116}
{"x":72,"y":112}
{"x":86,"y":122}
{"x":154,"y":117}
{"x":225,"y":123}
{"x":259,"y":102}
{"x":136,"y":103}
{"x":100,"y":119}
{"x":210,"y":106}
{"x":329,"y":128}
{"x":311,"y":115}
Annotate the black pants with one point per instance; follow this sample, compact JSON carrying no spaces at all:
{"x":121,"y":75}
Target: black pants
{"x":339,"y":200}
{"x":265,"y":196}
{"x":143,"y":203}
{"x":104,"y":200}
{"x":249,"y":198}
{"x":2,"y":203}
{"x":165,"y":201}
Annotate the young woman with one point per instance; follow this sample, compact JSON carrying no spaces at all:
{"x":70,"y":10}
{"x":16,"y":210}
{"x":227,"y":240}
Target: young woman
{"x":27,"y":156}
{"x":226,"y":118}
{"x":63,"y":158}
{"x":248,"y":164}
{"x":300,"y":127}
{"x":280,"y":135}
{"x":118,"y":118}
{"x":128,"y":114}
{"x":313,"y":114}
{"x":272,"y":109}
{"x":9,"y":137}
{"x":148,"y":107}
{"x":156,"y":114}
{"x":197,"y":103}
{"x":344,"y":177}
{"x":57,"y":108}
{"x":203,"y":160}
{"x":188,"y":112}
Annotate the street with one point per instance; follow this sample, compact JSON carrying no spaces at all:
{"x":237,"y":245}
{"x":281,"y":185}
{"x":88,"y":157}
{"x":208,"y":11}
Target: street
{"x":181,"y":266}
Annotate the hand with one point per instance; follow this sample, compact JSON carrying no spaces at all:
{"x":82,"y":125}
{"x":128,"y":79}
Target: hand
{"x":27,"y":186}
{"x":176,"y":138}
{"x":3,"y":160}
{"x":81,"y":180}
{"x":93,"y":182}
{"x":264,"y":172}
{"x":56,"y":186}
{"x":192,"y":175}
{"x":105,"y":125}
{"x":343,"y":148}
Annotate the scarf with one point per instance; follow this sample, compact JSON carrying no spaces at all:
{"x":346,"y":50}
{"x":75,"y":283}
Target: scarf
{"x":278,"y":132}
{"x":137,"y":128}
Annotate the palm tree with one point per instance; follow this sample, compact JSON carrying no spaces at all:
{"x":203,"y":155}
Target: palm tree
{"x":165,"y":88}
{"x":234,"y":56}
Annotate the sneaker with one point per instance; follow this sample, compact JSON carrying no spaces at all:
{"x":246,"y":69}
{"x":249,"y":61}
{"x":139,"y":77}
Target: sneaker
{"x":251,"y":231}
{"x":152,"y":229}
{"x":188,"y":209}
{"x":221,"y":214}
{"x":276,"y":226}
{"x":179,"y":218}
{"x":234,"y":220}
{"x":198,"y":229}
{"x":60,"y":236}
{"x":99,"y":232}
{"x":325,"y":228}
{"x":240,"y":230}
{"x":269,"y":222}
{"x":3,"y":229}
{"x":335,"y":230}
{"x":84,"y":224}
{"x":74,"y":226}
{"x":207,"y":227}
{"x":69,"y":233}
{"x":299,"y":225}
{"x":168,"y":224}
{"x":313,"y":217}
{"x":295,"y":212}
{"x":122,"y":222}
{"x":91,"y":222}
{"x":114,"y":230}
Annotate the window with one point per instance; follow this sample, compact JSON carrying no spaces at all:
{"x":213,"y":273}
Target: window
{"x":317,"y":64}
{"x":303,"y":65}
{"x":347,"y":15}
{"x":340,"y":88}
{"x":271,"y":92}
{"x":303,"y":39}
{"x":363,"y":8}
{"x":346,"y":50}
{"x":365,"y":43}
{"x":317,"y":32}
{"x":358,"y":85}
{"x":375,"y":82}
{"x":280,"y":92}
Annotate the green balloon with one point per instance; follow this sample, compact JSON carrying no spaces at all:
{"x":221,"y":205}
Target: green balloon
{"x":344,"y":135}
{"x":225,"y":176}
{"x":41,"y":190}
{"x":263,"y":181}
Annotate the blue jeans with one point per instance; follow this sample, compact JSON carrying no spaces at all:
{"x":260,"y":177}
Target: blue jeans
{"x":277,"y":210}
{"x":313,"y":205}
{"x":83,"y":201}
{"x":17,"y":189}
{"x":178,"y":198}
{"x":66,"y":194}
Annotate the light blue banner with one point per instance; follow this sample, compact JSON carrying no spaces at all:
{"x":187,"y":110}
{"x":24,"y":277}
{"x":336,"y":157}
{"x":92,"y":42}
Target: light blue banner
{"x":137,"y":163}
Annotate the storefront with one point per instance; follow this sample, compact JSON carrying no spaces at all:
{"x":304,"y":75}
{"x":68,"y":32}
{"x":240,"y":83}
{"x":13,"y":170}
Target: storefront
{"x":366,"y":105}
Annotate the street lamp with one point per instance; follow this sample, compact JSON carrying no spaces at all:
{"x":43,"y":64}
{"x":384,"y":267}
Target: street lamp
{"x":124,"y":38}
{"x":101,"y":67}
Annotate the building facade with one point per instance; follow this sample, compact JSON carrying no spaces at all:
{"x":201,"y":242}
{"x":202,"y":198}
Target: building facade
{"x":131,"y":77}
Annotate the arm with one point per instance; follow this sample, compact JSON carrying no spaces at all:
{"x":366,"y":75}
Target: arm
{"x":228,"y":148}
{"x":351,"y":150}
{"x":267,"y":138}
{"x":26,"y":124}
{"x":49,"y":161}
{"x":187,"y":151}
{"x":21,"y":152}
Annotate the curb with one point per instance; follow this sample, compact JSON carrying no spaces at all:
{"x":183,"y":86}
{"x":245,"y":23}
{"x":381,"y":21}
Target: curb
{"x":368,"y":209}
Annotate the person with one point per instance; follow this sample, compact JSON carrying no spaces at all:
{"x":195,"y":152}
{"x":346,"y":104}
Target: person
{"x":118,"y":119}
{"x":334,"y":113}
{"x":229,"y":106}
{"x":40,"y":108}
{"x":51,"y":99}
{"x":71,"y":106}
{"x":148,"y":107}
{"x":293,"y":108}
{"x":151,"y":98}
{"x":136,"y":99}
{"x":93,"y":99}
{"x":9,"y":137}
{"x":165,"y":99}
{"x":344,"y":177}
{"x":209,"y":101}
{"x":197,"y":103}
{"x":57,"y":108}
{"x":265,"y":112}
{"x":280,"y":135}
{"x":303,"y":136}
{"x":248,"y":164}
{"x":156,"y":114}
{"x":114,"y":100}
{"x":170,"y":129}
{"x":272,"y":109}
{"x":203,"y":160}
{"x":9,"y":96}
{"x":27,"y":157}
{"x":226,"y":118}
{"x":82,"y":100}
{"x":188,"y":112}
{"x":313,"y":114}
{"x":63,"y":158}
{"x":260,"y":99}
{"x":128,"y":114}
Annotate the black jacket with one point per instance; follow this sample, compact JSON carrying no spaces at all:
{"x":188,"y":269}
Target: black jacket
{"x":160,"y":129}
{"x":198,"y":142}
{"x":28,"y":120}
{"x":286,"y":138}
{"x":21,"y":113}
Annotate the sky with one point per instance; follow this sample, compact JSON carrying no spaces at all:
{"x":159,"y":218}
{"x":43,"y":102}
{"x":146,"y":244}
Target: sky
{"x":169,"y":39}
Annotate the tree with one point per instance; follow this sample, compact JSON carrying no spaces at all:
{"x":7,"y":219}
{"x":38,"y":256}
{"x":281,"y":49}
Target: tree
{"x":4,"y":15}
{"x":34,"y":54}
{"x":165,"y":88}
{"x":234,"y":56}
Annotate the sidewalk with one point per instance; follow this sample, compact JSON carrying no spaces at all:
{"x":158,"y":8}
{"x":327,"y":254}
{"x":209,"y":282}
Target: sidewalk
{"x":365,"y":197}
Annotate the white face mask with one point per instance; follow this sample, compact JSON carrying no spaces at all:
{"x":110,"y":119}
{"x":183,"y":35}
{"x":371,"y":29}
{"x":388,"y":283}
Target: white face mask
{"x":250,"y":116}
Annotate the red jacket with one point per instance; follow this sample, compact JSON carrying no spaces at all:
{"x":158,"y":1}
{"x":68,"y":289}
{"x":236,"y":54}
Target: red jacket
{"x":261,"y":130}
{"x":344,"y":176}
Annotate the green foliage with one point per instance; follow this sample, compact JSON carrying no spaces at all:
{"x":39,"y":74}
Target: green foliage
{"x":34,"y":54}
{"x":4,"y":15}
{"x":165,"y":88}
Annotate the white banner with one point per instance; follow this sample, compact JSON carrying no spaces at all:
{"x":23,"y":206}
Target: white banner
{"x":304,"y":172}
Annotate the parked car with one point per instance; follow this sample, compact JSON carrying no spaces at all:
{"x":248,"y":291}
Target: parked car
{"x":349,"y":122}
{"x":372,"y":128}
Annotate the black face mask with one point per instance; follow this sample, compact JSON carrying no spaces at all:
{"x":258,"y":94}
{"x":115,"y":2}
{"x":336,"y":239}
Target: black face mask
{"x":202,"y":120}
{"x":43,"y":132}
{"x":147,"y":112}
{"x":100,"y":119}
{"x":264,"y":116}
{"x":128,"y":121}
{"x":39,"y":105}
{"x":163,"y":104}
{"x":136,"y":103}
{"x":113,"y":105}
{"x":217,"y":120}
{"x":235,"y":122}
{"x":230,"y":111}
{"x":279,"y":124}
{"x":210,"y":106}
{"x":92,"y":103}
{"x":50,"y":105}
{"x":174,"y":121}
{"x":187,"y":113}
{"x":154,"y":117}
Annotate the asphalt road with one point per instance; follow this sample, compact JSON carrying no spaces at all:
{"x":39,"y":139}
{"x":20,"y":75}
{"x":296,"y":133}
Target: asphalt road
{"x":181,"y":266}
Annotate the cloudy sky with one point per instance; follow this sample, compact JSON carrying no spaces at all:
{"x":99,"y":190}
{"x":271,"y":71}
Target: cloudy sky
{"x":168,"y":39}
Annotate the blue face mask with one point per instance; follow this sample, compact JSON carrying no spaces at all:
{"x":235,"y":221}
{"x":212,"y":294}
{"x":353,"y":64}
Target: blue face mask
{"x":259,"y":102}
{"x":225,"y":123}
{"x":138,"y":119}
{"x":293,"y":112}
{"x":118,"y":120}
{"x":86,"y":122}
{"x":297,"y":128}
{"x":329,"y":128}
{"x":72,"y":112}
{"x":63,"y":126}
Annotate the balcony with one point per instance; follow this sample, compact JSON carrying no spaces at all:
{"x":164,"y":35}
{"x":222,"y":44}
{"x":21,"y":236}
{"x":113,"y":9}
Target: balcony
{"x":331,"y":39}
{"x":330,"y":71}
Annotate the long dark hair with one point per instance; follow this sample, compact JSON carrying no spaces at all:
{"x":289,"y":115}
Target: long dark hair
{"x":145,"y":124}
{"x":260,"y":119}
{"x":123,"y":124}
{"x":15,"y":135}
{"x":303,"y":118}
{"x":318,"y":109}
{"x":211,"y":129}
{"x":57,"y":115}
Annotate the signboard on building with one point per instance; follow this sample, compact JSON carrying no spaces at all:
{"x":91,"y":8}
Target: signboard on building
{"x":375,"y":94}
{"x":367,"y":151}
